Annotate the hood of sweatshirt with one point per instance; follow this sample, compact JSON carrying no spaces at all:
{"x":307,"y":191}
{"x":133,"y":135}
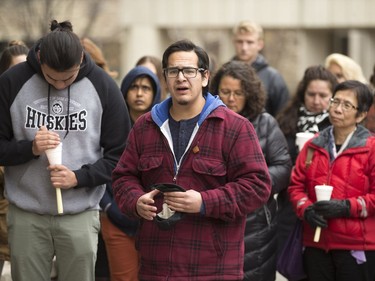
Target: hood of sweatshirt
{"x":160,"y":112}
{"x":134,"y":74}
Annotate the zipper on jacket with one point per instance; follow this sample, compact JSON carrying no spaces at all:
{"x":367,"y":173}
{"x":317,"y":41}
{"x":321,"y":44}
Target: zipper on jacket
{"x":176,"y":173}
{"x":178,"y":164}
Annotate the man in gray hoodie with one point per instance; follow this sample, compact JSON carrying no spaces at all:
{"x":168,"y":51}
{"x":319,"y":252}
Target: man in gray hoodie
{"x":58,"y":96}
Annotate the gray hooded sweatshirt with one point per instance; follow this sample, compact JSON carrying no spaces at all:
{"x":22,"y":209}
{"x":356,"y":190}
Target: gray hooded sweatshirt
{"x":91,"y":118}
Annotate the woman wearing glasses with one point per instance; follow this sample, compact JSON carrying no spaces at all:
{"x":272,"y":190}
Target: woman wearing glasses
{"x":241,"y":90}
{"x":343,"y":157}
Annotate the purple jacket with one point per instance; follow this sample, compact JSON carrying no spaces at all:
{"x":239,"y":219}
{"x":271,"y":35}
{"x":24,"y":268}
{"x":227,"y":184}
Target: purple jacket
{"x":224,"y":162}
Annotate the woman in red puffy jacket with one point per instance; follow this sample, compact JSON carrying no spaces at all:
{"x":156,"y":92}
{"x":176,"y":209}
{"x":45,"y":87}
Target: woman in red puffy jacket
{"x":343,"y":157}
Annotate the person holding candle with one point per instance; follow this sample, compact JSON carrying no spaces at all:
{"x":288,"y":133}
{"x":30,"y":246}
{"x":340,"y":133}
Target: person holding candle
{"x":343,"y":157}
{"x":58,"y":95}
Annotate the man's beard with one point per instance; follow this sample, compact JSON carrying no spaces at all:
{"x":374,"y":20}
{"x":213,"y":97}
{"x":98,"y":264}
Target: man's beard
{"x":182,"y":102}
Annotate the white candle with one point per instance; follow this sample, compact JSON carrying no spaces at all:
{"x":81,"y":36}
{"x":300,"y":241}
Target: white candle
{"x":323,"y":192}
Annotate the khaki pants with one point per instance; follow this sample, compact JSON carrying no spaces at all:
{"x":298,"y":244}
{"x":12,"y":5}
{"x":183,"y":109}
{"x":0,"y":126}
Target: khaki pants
{"x":35,"y":239}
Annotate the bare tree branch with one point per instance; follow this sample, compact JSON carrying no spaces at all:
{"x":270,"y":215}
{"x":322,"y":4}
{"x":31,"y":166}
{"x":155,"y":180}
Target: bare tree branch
{"x":31,"y":18}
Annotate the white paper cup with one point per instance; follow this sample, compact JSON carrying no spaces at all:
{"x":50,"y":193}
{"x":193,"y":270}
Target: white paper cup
{"x":302,"y":138}
{"x":54,"y":155}
{"x":323,"y":192}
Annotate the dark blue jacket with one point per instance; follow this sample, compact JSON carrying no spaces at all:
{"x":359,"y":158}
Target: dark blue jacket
{"x":108,"y":204}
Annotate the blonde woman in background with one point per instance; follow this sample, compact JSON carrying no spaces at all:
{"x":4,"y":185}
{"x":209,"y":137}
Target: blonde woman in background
{"x":344,"y":68}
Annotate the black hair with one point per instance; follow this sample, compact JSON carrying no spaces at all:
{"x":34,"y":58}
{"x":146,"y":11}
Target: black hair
{"x":288,"y":117}
{"x":13,"y":50}
{"x":188,"y":46}
{"x":363,"y":93}
{"x":312,"y":73}
{"x":61,"y":49}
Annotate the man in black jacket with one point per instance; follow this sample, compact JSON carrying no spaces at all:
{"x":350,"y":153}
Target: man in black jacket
{"x":248,"y":42}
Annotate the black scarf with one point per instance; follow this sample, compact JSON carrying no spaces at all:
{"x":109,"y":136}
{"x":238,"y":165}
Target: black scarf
{"x":312,"y":122}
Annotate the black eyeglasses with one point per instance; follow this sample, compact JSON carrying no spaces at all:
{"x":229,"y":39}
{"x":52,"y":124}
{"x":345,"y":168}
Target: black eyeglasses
{"x":345,"y":105}
{"x":188,"y":72}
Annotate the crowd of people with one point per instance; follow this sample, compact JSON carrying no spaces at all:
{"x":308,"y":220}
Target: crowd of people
{"x":183,"y":171}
